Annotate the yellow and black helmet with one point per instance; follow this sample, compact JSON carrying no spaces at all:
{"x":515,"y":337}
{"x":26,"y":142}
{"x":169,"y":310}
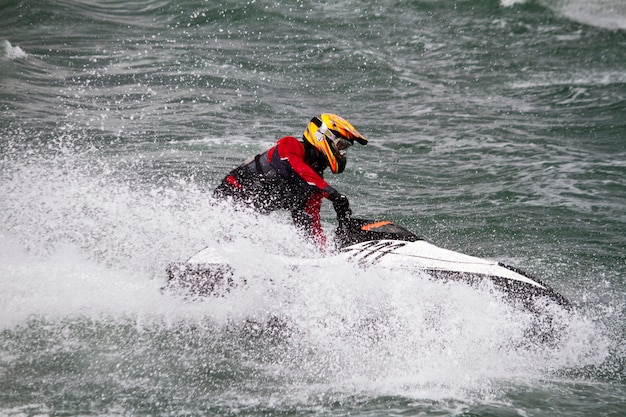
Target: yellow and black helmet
{"x":332,"y":135}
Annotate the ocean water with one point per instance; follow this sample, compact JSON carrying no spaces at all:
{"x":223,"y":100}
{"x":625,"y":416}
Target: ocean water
{"x":496,"y":128}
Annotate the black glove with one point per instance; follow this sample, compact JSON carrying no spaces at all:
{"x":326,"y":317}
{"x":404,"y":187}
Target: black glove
{"x":341,"y":205}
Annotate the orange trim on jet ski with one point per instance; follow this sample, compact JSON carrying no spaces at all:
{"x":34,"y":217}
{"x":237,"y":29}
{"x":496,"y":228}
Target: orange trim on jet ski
{"x":375,"y":225}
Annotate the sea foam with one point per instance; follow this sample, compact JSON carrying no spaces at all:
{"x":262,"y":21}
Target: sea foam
{"x":13,"y":52}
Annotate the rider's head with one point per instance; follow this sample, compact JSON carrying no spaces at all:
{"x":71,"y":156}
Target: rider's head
{"x":331,"y":135}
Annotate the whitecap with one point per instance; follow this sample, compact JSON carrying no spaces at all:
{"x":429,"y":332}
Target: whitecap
{"x":607,"y":14}
{"x":13,"y":52}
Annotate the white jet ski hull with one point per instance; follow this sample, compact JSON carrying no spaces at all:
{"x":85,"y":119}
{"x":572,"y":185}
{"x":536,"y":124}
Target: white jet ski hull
{"x":209,"y":274}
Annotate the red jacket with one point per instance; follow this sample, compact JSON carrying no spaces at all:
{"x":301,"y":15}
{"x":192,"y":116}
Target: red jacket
{"x":292,"y":151}
{"x":282,"y":178}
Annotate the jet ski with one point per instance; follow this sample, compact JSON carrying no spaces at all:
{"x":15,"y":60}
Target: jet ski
{"x":382,"y":243}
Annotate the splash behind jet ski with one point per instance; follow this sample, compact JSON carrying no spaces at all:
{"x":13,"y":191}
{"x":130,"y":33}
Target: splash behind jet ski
{"x":381,"y":243}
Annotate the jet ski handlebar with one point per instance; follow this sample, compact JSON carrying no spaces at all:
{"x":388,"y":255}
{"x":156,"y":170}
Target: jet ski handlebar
{"x":352,"y":230}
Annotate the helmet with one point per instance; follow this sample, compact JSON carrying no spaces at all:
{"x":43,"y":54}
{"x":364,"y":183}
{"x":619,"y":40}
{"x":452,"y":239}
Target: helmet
{"x":331,"y":135}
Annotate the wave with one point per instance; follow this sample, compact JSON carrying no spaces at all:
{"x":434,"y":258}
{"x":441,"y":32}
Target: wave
{"x":81,"y":11}
{"x":606,"y":14}
{"x":12,"y":52}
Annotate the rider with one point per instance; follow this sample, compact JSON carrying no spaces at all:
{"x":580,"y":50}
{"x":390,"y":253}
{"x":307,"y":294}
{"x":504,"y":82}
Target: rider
{"x":289,"y":175}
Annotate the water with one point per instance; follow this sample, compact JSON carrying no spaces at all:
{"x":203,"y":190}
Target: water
{"x":496,"y":129}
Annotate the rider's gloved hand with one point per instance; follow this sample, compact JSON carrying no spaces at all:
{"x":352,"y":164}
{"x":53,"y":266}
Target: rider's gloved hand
{"x":340,"y":204}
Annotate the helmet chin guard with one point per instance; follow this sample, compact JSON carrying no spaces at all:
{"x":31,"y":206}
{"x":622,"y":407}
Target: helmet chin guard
{"x":332,"y":135}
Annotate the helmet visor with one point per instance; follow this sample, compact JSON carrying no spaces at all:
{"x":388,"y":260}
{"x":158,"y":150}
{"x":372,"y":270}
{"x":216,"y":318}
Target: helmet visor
{"x":338,"y":142}
{"x":342,"y":144}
